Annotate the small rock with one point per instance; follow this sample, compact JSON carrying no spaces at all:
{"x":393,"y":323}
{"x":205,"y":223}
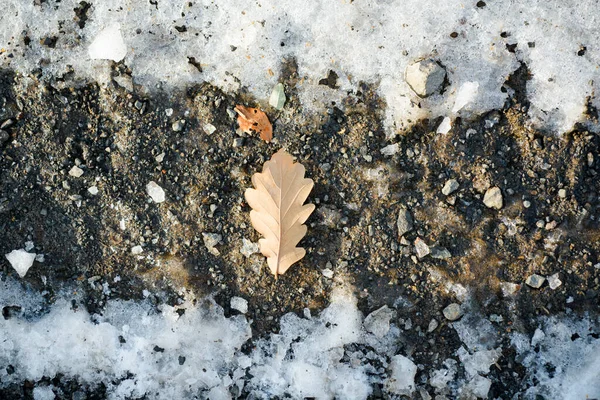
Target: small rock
{"x":440,"y":253}
{"x":21,"y":261}
{"x":425,"y":77}
{"x":155,"y":192}
{"x":378,"y":322}
{"x":327,"y":273}
{"x":125,"y":82}
{"x":405,"y":222}
{"x":210,"y":241}
{"x":452,"y":312}
{"x":240,"y":304}
{"x":277,"y":98}
{"x":76,"y":171}
{"x":433,"y":324}
{"x":450,"y":186}
{"x":421,"y":247}
{"x":554,"y":281}
{"x":249,"y":248}
{"x":390,"y":149}
{"x":445,"y":126}
{"x":562,"y":193}
{"x":209,"y":128}
{"x":3,"y":136}
{"x":535,"y":281}
{"x":238,"y":142}
{"x":136,"y":250}
{"x":168,"y":112}
{"x":178,"y":125}
{"x":93,"y":190}
{"x":526,"y":203}
{"x":493,"y":198}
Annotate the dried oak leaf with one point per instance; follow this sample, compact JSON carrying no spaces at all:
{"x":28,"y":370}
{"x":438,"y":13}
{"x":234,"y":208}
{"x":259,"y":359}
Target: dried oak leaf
{"x":277,"y":210}
{"x":254,"y":120}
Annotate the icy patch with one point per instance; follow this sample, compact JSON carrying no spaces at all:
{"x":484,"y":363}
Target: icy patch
{"x":21,"y":261}
{"x":245,"y":44}
{"x":108,"y":45}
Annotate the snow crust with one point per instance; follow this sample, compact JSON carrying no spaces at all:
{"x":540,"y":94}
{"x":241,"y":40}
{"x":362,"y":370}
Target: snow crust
{"x":244,"y":44}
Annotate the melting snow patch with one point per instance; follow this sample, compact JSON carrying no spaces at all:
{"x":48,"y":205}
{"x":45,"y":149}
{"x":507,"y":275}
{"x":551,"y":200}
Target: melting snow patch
{"x":108,"y":45}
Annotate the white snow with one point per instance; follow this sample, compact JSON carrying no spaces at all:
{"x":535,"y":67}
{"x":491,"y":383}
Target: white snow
{"x":444,"y":126}
{"x":402,"y":377}
{"x":21,"y":261}
{"x":244,"y":44}
{"x":108,"y":45}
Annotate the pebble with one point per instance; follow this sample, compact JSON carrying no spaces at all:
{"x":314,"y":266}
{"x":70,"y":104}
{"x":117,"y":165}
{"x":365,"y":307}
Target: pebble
{"x":238,"y":142}
{"x":135,"y":250}
{"x":440,"y":252}
{"x":452,"y":312}
{"x":425,"y":77}
{"x":450,"y":186}
{"x":159,"y":158}
{"x":327,"y":273}
{"x":249,"y":247}
{"x":493,"y":198}
{"x":277,"y":98}
{"x":93,"y":190}
{"x":210,"y":241}
{"x":390,"y":149}
{"x":554,"y":281}
{"x":526,"y":203}
{"x":178,"y":125}
{"x":421,"y":247}
{"x":562,"y":193}
{"x":432,"y":325}
{"x":239,"y":304}
{"x":405,"y":222}
{"x":3,"y":136}
{"x":76,"y":171}
{"x":535,"y":281}
{"x":445,"y":126}
{"x":168,"y":112}
{"x":155,"y":192}
{"x":209,"y":128}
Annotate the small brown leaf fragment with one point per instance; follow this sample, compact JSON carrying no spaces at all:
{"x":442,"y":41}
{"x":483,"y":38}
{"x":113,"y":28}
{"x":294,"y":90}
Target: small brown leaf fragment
{"x":278,"y":212}
{"x":254,"y":120}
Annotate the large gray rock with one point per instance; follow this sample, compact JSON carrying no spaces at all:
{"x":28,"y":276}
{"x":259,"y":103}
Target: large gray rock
{"x":425,"y":77}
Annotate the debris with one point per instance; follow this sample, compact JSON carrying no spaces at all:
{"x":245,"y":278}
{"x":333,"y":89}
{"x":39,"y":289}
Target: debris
{"x":210,"y":241}
{"x":254,"y":120}
{"x":178,"y":125}
{"x":249,"y":248}
{"x":390,"y":150}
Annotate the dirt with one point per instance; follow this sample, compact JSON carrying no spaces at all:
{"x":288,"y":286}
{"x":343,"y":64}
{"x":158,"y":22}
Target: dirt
{"x":115,"y":136}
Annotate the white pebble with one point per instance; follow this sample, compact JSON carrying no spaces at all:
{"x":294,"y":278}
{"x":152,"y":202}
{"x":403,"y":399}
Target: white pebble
{"x":135,"y":250}
{"x":155,"y":192}
{"x":76,"y":171}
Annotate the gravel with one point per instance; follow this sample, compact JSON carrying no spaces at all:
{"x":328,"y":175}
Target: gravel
{"x":493,"y":198}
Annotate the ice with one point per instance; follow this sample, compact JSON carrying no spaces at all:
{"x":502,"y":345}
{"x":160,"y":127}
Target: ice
{"x":108,"y":45}
{"x":240,"y":304}
{"x":241,"y":44}
{"x":445,"y":126}
{"x":43,"y":393}
{"x":21,"y":261}
{"x":402,"y":377}
{"x":378,"y":322}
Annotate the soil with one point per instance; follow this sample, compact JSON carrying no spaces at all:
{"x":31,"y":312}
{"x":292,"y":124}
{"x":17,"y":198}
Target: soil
{"x":117,"y":138}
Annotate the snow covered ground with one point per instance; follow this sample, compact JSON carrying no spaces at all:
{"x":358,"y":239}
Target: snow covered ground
{"x":192,"y":349}
{"x":235,"y":44}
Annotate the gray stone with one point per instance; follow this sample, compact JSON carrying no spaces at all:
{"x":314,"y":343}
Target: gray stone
{"x":178,"y":125}
{"x":238,"y":142}
{"x":452,"y":312}
{"x":439,"y":252}
{"x":421,"y":247}
{"x":535,"y":281}
{"x":554,"y":281}
{"x":76,"y":171}
{"x":249,"y":248}
{"x":210,"y":241}
{"x":493,"y":198}
{"x":404,"y":222}
{"x":425,"y":77}
{"x":378,"y":322}
{"x":3,"y":136}
{"x":450,"y":187}
{"x":125,"y":82}
{"x":433,"y":324}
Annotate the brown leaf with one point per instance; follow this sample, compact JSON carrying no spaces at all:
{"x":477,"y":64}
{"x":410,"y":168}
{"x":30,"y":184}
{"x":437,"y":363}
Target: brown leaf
{"x":277,"y":210}
{"x":254,"y":120}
